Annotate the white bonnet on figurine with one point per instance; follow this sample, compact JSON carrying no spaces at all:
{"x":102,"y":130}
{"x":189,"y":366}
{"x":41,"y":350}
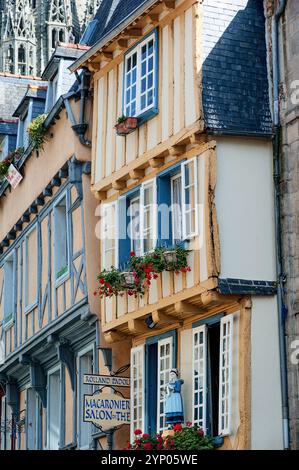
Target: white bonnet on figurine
{"x":175,"y":371}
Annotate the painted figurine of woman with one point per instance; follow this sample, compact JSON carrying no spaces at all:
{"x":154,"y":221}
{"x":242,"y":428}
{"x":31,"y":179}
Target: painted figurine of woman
{"x":174,"y":405}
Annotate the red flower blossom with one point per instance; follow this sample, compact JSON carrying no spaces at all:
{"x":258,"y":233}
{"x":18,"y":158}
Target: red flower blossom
{"x":159,"y":446}
{"x":155,"y":276}
{"x":177,"y":427}
{"x":188,"y":424}
{"x":147,"y":446}
{"x":95,"y":292}
{"x":146,"y":436}
{"x":102,"y":281}
{"x":132,"y":253}
{"x":200,"y":432}
{"x":137,"y":432}
{"x":189,"y":269}
{"x":138,"y":442}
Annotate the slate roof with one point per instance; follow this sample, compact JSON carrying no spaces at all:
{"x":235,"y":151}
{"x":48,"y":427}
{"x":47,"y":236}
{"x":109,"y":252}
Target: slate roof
{"x":109,"y":16}
{"x":8,"y":127}
{"x":35,"y":92}
{"x":12,"y":90}
{"x":235,"y":80}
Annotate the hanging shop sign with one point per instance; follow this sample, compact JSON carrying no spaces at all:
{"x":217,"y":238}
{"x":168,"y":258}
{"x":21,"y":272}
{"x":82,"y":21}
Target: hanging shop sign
{"x":106,"y":380}
{"x":106,"y":411}
{"x":13,"y":176}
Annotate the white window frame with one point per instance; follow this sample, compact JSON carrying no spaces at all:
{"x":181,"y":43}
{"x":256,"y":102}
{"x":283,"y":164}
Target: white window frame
{"x":203,"y":423}
{"x":9,"y":259}
{"x":184,"y":187}
{"x":226,"y":323}
{"x":53,"y":371}
{"x":138,"y":351}
{"x":29,"y":307}
{"x":144,"y":186}
{"x":137,"y":49}
{"x":104,"y":239}
{"x":161,"y":392}
{"x":172,"y":179}
{"x":133,"y":236}
{"x":65,"y":275}
{"x":80,"y":404}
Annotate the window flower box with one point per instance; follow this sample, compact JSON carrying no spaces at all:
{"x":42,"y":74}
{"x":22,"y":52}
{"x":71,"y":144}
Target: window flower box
{"x":126,"y":125}
{"x":141,"y":271}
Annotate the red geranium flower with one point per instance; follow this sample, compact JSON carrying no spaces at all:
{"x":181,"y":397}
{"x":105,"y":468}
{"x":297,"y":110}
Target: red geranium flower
{"x":177,"y":427}
{"x":95,"y":292}
{"x":200,"y":432}
{"x":159,"y":446}
{"x":147,"y":446}
{"x":188,"y":423}
{"x":146,"y":436}
{"x":137,"y":432}
{"x":102,"y":281}
{"x":132,"y":253}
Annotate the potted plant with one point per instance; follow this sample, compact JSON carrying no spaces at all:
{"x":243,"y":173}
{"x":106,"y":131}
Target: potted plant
{"x":187,"y":437}
{"x":110,"y":283}
{"x":125,"y":125}
{"x":4,"y":166}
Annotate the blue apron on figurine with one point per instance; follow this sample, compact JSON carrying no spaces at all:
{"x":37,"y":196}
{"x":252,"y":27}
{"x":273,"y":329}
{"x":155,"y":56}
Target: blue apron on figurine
{"x":174,"y":405}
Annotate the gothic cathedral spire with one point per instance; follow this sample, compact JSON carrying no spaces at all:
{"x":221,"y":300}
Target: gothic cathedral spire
{"x":18,"y":41}
{"x":30,"y":30}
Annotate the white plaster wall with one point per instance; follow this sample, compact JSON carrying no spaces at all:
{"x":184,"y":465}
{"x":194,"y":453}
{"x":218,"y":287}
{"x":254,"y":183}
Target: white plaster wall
{"x":266,"y":415}
{"x":245,"y":210}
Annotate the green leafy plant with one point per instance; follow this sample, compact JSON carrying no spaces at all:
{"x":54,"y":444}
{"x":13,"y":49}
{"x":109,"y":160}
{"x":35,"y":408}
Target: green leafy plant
{"x":110,"y":283}
{"x":182,"y":438}
{"x":142,"y":270}
{"x":37,"y":132}
{"x":121,"y":119}
{"x":188,"y":438}
{"x":4,"y":169}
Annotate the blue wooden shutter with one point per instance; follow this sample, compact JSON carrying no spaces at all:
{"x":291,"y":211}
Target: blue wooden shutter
{"x":124,"y":243}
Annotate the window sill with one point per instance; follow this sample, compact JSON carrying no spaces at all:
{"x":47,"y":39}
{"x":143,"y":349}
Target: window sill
{"x":29,"y":308}
{"x":8,"y":324}
{"x":62,"y":276}
{"x":147,"y":115}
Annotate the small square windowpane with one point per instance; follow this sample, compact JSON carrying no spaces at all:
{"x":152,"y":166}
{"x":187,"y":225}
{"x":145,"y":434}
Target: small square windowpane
{"x":134,"y":59}
{"x":150,"y":47}
{"x":133,"y":92}
{"x":143,"y":52}
{"x":143,"y":101}
{"x":143,"y":85}
{"x":150,"y":80}
{"x":129,"y":64}
{"x":134,"y":75}
{"x":143,"y":69}
{"x":150,"y":98}
{"x":150,"y":64}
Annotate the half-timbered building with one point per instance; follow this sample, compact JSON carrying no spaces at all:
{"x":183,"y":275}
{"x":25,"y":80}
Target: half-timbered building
{"x":194,"y":75}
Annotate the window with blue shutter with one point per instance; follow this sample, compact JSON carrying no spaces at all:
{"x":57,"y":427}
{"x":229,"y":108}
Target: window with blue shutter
{"x":128,"y":225}
{"x":160,"y":358}
{"x":141,"y":79}
{"x":169,"y":200}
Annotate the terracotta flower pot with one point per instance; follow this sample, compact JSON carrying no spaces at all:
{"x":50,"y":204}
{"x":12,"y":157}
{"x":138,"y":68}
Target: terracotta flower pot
{"x":126,"y":126}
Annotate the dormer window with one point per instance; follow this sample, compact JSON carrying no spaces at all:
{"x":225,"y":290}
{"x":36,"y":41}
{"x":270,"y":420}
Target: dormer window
{"x":141,"y":79}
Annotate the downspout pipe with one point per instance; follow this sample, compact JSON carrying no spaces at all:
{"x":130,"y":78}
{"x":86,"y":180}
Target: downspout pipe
{"x":81,"y":127}
{"x":278,"y":228}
